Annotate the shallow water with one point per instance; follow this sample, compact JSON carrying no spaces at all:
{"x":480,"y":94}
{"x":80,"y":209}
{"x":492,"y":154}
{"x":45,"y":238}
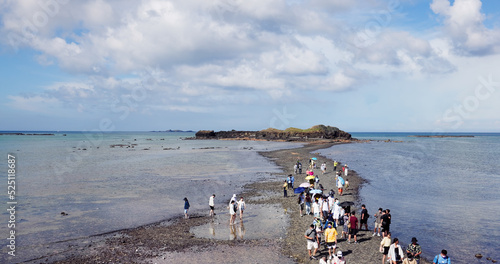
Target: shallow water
{"x":444,"y":191}
{"x":259,"y":221}
{"x":103,"y":188}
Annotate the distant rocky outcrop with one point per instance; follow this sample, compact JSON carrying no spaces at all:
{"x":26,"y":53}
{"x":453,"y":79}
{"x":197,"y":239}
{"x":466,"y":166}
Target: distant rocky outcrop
{"x":319,"y":132}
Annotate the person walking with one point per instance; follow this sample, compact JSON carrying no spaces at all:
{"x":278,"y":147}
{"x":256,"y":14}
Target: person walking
{"x":232,"y":212}
{"x":384,"y":246}
{"x":331,"y":239}
{"x":325,"y":208}
{"x":378,"y":222}
{"x":396,"y":254}
{"x":211,"y":203}
{"x":241,"y":207}
{"x":340,"y":187}
{"x":301,"y":201}
{"x":353,"y":230}
{"x":364,"y":218}
{"x":414,"y":250}
{"x":308,"y":204}
{"x":345,"y":228}
{"x":312,"y":241}
{"x":442,"y":258}
{"x":316,"y":208}
{"x":285,"y":188}
{"x":186,"y":207}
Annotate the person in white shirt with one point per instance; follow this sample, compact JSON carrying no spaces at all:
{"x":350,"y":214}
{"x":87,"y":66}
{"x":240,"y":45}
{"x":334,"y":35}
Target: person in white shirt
{"x":316,"y":209}
{"x":241,"y":207}
{"x":211,"y":204}
{"x":396,"y":253}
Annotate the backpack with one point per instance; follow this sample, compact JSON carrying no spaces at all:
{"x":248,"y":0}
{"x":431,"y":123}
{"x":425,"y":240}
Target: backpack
{"x":341,"y":220}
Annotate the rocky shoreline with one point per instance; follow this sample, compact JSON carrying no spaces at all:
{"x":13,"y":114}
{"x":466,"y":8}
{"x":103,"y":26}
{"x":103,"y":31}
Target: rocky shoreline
{"x":174,"y":241}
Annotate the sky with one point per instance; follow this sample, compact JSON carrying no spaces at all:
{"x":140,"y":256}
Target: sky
{"x":130,"y":65}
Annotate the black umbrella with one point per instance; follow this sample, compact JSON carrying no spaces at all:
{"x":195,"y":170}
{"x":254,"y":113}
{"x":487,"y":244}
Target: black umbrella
{"x":346,"y":203}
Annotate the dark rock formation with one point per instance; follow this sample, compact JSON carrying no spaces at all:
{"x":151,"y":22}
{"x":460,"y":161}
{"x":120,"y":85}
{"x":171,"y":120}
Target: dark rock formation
{"x":291,"y":134}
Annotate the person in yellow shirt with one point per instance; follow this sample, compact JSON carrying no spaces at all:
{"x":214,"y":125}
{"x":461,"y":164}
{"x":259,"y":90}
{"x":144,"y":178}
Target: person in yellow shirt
{"x":330,"y":239}
{"x":285,"y":187}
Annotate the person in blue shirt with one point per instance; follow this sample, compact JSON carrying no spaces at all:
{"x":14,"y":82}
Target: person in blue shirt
{"x":442,"y":258}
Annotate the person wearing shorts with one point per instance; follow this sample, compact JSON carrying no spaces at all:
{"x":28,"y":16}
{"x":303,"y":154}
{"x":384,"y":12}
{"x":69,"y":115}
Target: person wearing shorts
{"x":330,"y":239}
{"x":378,"y":222}
{"x":211,"y":203}
{"x":312,"y":241}
{"x":385,"y":245}
{"x":241,"y":207}
{"x":354,"y":228}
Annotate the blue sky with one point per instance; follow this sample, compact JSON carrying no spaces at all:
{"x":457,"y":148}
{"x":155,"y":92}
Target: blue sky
{"x":372,"y":65}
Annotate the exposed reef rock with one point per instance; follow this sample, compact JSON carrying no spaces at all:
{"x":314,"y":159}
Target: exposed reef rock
{"x":319,"y":132}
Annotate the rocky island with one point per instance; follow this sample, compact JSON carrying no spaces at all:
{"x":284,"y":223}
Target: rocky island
{"x":315,"y":133}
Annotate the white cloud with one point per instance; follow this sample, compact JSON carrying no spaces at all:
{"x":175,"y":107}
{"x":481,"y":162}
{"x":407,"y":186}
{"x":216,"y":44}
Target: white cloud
{"x":464,"y":26}
{"x":226,"y":52}
{"x":37,"y":104}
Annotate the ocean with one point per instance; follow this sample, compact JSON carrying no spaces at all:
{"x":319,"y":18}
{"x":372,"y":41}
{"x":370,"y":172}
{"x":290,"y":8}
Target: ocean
{"x":443,"y":191}
{"x":74,"y":185}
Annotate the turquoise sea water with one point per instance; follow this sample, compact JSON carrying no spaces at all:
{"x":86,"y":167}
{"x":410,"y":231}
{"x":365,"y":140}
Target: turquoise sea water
{"x":141,"y":180}
{"x":444,"y":191}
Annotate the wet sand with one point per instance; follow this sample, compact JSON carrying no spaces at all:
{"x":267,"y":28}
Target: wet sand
{"x":272,"y":230}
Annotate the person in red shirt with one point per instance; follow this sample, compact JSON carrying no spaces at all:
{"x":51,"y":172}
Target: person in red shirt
{"x":353,"y":220}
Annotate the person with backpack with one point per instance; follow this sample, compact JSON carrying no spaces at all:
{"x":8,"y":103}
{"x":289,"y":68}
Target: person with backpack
{"x":364,"y":218}
{"x":442,"y":258}
{"x":312,"y":241}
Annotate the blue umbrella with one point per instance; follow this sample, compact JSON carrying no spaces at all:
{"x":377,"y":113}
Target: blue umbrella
{"x":299,"y":190}
{"x":315,"y":191}
{"x":314,"y":158}
{"x":341,"y":180}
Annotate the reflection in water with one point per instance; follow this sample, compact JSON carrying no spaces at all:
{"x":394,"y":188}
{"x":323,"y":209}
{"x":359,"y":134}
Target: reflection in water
{"x":241,"y":230}
{"x":211,"y":228}
{"x":236,"y":231}
{"x":232,"y":234}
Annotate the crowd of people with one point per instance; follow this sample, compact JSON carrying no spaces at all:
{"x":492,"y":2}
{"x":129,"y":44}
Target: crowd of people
{"x":332,"y":219}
